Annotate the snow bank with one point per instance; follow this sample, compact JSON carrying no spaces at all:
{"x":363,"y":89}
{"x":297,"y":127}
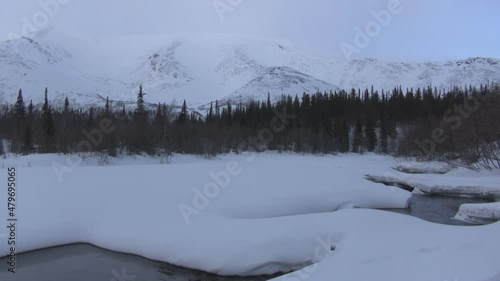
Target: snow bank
{"x":271,"y":213}
{"x":460,"y":182}
{"x":173,"y":213}
{"x":479,"y":213}
{"x":423,"y":168}
{"x":386,"y":246}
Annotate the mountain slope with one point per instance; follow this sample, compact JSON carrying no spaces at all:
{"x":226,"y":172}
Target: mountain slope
{"x":278,"y":81}
{"x":203,"y":68}
{"x":40,"y":61}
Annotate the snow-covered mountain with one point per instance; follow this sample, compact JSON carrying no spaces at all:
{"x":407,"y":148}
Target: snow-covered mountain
{"x":203,"y":68}
{"x":280,"y":80}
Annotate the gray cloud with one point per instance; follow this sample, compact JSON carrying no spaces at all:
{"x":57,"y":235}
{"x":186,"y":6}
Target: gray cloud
{"x":425,"y":29}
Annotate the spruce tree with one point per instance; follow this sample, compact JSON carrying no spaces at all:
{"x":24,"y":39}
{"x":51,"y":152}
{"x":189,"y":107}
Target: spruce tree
{"x":48,"y":124}
{"x":19,"y":123}
{"x":217,"y":109}
{"x":183,"y":116}
{"x":106,"y":107}
{"x":159,"y":115}
{"x":66,"y":107}
{"x":19,"y":107}
{"x":210,"y":115}
{"x":46,"y":102}
{"x":31,"y":109}
{"x":140,"y":109}
{"x":28,"y":132}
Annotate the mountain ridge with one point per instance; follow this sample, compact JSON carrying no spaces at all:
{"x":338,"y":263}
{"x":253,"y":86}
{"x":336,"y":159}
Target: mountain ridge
{"x":206,"y":68}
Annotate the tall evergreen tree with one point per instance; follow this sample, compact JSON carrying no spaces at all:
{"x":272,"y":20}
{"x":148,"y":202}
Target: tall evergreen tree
{"x":66,"y":106}
{"x":46,"y":101}
{"x":210,"y":115}
{"x":106,"y":107}
{"x":140,"y":108}
{"x":183,"y":116}
{"x":19,"y":107}
{"x":217,"y":109}
{"x":48,"y":124}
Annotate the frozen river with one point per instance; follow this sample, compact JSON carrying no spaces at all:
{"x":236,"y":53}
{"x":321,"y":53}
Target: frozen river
{"x":83,"y":262}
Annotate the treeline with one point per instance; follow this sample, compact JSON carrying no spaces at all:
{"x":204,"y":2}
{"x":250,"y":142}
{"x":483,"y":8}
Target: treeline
{"x":459,"y":126}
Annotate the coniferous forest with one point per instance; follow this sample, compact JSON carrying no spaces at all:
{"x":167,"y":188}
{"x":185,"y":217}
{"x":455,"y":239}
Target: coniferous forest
{"x":459,"y":126}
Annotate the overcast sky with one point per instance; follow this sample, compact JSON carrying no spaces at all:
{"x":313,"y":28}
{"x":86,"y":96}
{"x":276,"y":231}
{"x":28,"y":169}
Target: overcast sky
{"x":422,"y":30}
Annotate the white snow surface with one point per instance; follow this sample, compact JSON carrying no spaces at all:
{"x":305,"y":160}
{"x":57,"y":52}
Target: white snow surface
{"x":423,"y":168}
{"x":277,"y":214}
{"x":458,"y":182}
{"x":479,"y":212}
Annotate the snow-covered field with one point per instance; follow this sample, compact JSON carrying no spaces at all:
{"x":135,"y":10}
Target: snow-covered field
{"x":247,"y":214}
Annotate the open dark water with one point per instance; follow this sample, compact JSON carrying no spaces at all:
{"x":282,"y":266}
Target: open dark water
{"x":83,"y":262}
{"x":438,"y":209}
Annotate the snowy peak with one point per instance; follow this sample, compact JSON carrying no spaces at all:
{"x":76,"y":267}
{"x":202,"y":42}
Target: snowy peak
{"x":204,"y":68}
{"x":360,"y":73}
{"x":27,"y":49}
{"x":278,"y":81}
{"x":162,"y":70}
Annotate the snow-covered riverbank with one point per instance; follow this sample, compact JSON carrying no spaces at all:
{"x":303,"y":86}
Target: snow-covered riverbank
{"x":247,"y":214}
